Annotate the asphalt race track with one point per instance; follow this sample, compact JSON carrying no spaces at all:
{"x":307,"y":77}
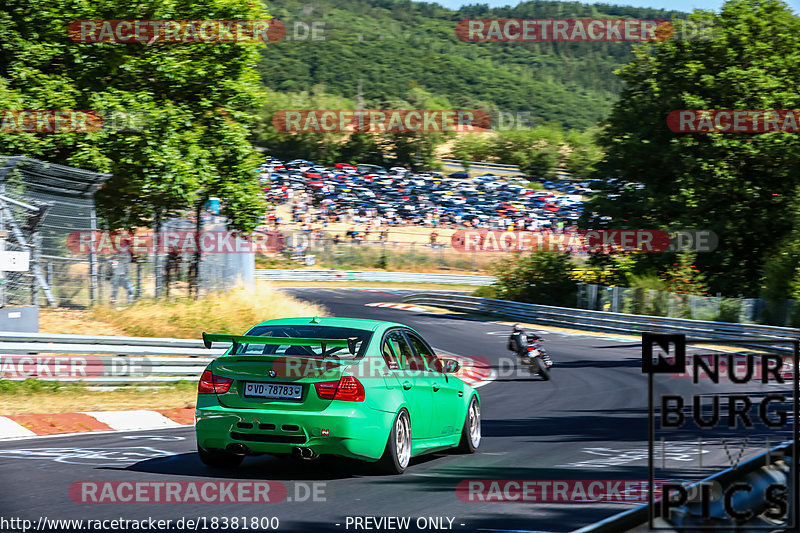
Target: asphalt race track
{"x":588,"y":423}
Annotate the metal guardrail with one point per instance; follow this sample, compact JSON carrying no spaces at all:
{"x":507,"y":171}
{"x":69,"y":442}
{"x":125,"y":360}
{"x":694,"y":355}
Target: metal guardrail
{"x":481,"y":164}
{"x":304,"y":274}
{"x":102,"y":359}
{"x":621,"y":323}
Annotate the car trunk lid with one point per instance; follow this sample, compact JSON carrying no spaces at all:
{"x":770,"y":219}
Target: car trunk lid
{"x":284,"y":381}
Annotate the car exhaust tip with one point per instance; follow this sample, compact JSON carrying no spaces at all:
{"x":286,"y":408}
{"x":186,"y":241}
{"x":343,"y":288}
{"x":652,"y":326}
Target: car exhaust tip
{"x":303,"y":452}
{"x":237,"y":449}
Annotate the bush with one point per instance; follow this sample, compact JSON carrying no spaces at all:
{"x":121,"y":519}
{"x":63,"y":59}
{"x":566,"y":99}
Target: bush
{"x":539,"y":278}
{"x":728,"y":310}
{"x":29,"y":386}
{"x":485,"y":291}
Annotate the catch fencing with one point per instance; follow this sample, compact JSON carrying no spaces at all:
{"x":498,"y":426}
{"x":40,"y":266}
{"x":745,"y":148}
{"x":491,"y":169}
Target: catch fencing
{"x":45,"y":208}
{"x":677,"y":305}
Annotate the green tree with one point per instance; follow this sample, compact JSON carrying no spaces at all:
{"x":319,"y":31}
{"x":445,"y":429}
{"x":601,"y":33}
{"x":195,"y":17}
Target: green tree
{"x":536,"y":151}
{"x":321,"y":147}
{"x":539,"y":278}
{"x":584,"y":152}
{"x":187,"y":94}
{"x":684,"y":277}
{"x":733,"y":184}
{"x":471,"y":147}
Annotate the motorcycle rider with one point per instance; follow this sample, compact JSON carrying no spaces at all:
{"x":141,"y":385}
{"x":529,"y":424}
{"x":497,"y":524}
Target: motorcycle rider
{"x":518,"y":341}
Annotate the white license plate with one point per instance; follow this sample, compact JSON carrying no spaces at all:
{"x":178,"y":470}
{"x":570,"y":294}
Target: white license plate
{"x":280,"y":391}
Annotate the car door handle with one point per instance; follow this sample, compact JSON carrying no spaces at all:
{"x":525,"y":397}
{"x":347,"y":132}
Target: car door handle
{"x":407,"y":385}
{"x":461,"y":394}
{"x":435,"y":387}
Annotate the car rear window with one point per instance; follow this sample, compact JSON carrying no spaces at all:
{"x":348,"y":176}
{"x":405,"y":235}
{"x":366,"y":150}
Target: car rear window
{"x":306,"y":331}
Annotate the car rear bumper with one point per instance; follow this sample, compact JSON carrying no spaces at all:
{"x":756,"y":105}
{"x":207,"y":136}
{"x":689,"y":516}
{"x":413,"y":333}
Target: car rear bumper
{"x":340,"y":429}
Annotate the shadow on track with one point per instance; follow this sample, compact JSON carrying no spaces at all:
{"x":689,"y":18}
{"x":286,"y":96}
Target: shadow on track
{"x":580,"y":428}
{"x":596,"y":363}
{"x":265,"y":467}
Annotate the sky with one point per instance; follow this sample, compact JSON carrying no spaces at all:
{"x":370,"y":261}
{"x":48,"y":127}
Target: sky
{"x":678,"y":5}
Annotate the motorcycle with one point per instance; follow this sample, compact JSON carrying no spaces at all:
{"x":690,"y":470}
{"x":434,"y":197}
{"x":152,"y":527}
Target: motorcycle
{"x":536,"y":358}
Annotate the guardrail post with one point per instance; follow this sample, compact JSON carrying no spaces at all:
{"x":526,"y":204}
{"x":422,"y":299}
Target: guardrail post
{"x":591,"y":294}
{"x":94,"y":285}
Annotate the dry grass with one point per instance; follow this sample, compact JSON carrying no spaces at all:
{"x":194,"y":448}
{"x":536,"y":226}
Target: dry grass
{"x":231,"y":312}
{"x":74,"y":321}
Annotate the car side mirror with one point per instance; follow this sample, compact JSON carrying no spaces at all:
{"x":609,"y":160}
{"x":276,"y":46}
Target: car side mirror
{"x":451,"y":366}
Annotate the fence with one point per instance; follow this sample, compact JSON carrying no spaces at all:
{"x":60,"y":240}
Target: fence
{"x":481,"y":164}
{"x":607,"y":321}
{"x":359,"y":275}
{"x":391,"y":254}
{"x":43,"y":206}
{"x":103,"y":360}
{"x":670,"y":304}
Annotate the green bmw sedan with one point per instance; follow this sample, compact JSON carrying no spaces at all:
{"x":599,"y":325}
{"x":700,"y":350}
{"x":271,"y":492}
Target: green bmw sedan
{"x":364,"y":389}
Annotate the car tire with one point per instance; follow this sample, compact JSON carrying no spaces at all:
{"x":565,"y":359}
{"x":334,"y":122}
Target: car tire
{"x":471,"y":432}
{"x":397,"y":453}
{"x":219,"y":459}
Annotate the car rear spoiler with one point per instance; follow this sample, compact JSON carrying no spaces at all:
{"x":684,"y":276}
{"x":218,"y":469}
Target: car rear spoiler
{"x":350,"y":342}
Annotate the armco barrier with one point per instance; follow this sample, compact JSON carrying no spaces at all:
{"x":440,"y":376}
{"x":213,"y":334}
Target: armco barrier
{"x":105,"y":360}
{"x":481,"y":164}
{"x":304,"y":274}
{"x":607,"y":322}
{"x":109,"y":360}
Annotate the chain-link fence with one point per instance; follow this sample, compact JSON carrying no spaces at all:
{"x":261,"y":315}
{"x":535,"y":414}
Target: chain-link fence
{"x":42,"y":204}
{"x":48,"y":210}
{"x":676,"y":305}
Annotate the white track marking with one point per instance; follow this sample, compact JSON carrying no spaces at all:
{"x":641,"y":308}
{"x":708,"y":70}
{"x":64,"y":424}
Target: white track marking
{"x":128,"y":420}
{"x":10,"y":429}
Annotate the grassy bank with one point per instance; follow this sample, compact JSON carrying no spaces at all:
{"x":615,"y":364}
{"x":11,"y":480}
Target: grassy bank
{"x":38,"y":397}
{"x":231,"y":312}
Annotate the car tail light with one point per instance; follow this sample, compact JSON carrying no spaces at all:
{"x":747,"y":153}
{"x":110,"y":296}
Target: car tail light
{"x":347,"y":389}
{"x":211,"y":384}
{"x":531,"y":348}
{"x":326,"y":389}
